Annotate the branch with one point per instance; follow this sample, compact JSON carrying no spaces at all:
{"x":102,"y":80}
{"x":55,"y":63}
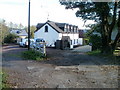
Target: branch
{"x":111,"y":26}
{"x":118,"y":35}
{"x":116,"y":40}
{"x":114,"y":17}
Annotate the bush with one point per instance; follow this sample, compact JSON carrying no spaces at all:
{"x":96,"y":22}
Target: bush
{"x":33,"y":55}
{"x":10,"y":38}
{"x":96,"y":42}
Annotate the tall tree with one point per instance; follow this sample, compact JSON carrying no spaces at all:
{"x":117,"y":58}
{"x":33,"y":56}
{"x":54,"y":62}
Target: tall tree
{"x":105,"y":14}
{"x":4,"y":30}
{"x":32,"y":29}
{"x":20,"y":26}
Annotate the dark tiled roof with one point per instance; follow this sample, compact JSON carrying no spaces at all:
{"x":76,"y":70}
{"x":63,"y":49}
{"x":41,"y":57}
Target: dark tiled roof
{"x":60,"y":24}
{"x":39,"y":25}
{"x":55,"y":27}
{"x":52,"y":24}
{"x":59,"y":27}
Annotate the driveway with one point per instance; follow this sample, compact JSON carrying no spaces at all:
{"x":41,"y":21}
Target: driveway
{"x":62,"y":69}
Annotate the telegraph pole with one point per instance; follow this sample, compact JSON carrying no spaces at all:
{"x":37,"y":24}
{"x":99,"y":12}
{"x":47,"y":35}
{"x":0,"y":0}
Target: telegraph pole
{"x":29,"y":26}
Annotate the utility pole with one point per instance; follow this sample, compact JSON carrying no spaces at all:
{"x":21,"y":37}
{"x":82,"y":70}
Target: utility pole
{"x":29,"y":26}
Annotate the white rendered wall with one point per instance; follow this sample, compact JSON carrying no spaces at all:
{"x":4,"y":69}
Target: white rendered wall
{"x":50,"y":37}
{"x":80,"y":40}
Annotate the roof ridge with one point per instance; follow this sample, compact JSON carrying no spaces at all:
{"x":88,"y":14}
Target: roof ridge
{"x":53,"y":24}
{"x":56,"y":22}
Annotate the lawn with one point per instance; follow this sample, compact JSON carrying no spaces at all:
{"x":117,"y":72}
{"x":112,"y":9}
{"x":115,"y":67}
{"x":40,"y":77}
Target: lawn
{"x":114,"y":59}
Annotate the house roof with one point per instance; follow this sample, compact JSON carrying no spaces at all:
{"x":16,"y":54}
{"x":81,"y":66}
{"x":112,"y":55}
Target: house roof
{"x":19,"y":32}
{"x":39,"y":25}
{"x":60,"y":24}
{"x":54,"y":25}
{"x":59,"y":27}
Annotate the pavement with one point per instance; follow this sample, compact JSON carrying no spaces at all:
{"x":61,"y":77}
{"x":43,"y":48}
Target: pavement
{"x":85,"y":48}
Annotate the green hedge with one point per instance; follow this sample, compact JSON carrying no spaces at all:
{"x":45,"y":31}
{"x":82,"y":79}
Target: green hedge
{"x":10,"y":38}
{"x":33,"y":55}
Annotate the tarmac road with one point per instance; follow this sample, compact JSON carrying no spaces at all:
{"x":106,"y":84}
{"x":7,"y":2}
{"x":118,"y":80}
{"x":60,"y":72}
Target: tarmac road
{"x":62,"y":69}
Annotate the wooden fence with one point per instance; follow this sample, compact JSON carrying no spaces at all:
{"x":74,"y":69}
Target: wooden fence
{"x":40,"y":47}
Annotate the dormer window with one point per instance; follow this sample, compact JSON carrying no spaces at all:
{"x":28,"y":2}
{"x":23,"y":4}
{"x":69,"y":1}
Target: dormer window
{"x":71,"y":28}
{"x":76,"y":29}
{"x":46,"y":28}
{"x":68,"y":29}
{"x":65,"y":28}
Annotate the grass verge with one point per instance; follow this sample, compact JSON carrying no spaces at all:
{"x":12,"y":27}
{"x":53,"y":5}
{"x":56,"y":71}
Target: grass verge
{"x":33,"y":55}
{"x":113,"y":59}
{"x":3,"y":83}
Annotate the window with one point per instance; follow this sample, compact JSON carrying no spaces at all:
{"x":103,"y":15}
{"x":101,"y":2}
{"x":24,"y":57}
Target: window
{"x":74,"y":41}
{"x":71,"y":42}
{"x":46,"y":28}
{"x":77,"y":40}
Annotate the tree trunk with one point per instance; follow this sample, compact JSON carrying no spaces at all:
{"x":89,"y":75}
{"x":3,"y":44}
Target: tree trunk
{"x":106,"y":46}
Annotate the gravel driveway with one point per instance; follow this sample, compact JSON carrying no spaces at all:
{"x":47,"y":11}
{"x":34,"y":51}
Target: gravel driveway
{"x":62,"y":69}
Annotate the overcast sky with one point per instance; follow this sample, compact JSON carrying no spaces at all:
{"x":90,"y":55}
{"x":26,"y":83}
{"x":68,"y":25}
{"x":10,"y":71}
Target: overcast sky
{"x":16,"y":11}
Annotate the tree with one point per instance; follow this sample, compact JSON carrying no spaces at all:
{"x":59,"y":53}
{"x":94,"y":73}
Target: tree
{"x":106,"y":14}
{"x":11,"y":25}
{"x":95,"y":40}
{"x":20,"y":26}
{"x":32,"y":29}
{"x":4,"y":30}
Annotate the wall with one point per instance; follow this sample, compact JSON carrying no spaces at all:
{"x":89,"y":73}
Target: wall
{"x":50,"y":37}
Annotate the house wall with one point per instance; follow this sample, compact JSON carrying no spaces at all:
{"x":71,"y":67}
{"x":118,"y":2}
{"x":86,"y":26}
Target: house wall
{"x":80,"y":40}
{"x":60,"y":36}
{"x":75,"y":40}
{"x":50,"y":37}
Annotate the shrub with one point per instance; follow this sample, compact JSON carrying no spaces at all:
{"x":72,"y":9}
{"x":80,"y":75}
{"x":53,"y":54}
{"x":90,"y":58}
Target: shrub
{"x":10,"y":38}
{"x":96,"y":42}
{"x":33,"y":55}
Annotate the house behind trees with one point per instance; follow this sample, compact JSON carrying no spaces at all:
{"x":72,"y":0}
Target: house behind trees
{"x":21,"y":34}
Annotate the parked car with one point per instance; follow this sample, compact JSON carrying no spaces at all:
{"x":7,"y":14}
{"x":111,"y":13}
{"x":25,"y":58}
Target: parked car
{"x":38,"y":42}
{"x":24,"y":42}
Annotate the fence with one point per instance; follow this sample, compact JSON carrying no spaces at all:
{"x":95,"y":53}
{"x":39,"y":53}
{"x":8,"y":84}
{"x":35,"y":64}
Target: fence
{"x":40,"y":47}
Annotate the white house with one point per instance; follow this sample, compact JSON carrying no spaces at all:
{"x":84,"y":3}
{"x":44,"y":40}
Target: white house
{"x":52,"y":31}
{"x":20,"y":33}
